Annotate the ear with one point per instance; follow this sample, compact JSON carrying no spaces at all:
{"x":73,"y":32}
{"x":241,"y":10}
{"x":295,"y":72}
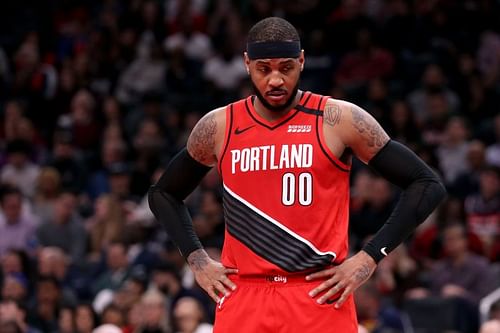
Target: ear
{"x":302,"y":60}
{"x":247,"y":62}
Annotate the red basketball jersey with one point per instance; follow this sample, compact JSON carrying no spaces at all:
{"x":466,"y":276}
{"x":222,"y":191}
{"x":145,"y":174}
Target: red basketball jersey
{"x":286,"y":196}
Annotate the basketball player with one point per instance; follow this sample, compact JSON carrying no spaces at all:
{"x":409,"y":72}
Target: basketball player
{"x":284,"y":157}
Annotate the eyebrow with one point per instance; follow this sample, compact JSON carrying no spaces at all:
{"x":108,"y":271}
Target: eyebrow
{"x":268,"y":62}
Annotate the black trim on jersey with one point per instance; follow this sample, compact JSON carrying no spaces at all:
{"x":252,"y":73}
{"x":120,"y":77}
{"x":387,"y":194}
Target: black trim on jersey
{"x":268,"y":240}
{"x":324,"y":150}
{"x":307,"y":110}
{"x":282,"y":122}
{"x":266,"y":125}
{"x":226,"y":144}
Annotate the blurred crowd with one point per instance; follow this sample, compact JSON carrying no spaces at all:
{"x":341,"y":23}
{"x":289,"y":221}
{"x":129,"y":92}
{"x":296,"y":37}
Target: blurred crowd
{"x":97,"y":95}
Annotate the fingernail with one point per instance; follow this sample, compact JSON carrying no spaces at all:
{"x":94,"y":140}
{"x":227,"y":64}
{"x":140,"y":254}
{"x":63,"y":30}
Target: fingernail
{"x":308,"y":278}
{"x":311,"y":293}
{"x":320,"y":301}
{"x":337,"y":305}
{"x":233,"y":287}
{"x":228,"y":294}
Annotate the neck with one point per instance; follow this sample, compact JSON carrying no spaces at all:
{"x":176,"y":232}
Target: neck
{"x":271,"y":114}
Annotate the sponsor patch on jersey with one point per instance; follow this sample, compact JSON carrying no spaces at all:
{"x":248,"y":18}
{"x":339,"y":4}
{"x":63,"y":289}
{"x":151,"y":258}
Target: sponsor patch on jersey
{"x":299,"y":128}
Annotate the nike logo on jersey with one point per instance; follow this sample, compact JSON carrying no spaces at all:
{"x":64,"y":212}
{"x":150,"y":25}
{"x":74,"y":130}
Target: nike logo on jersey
{"x":239,"y":131}
{"x":383,"y":251}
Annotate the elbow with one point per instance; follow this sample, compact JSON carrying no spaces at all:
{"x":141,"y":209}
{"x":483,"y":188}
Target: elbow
{"x":441,"y":191}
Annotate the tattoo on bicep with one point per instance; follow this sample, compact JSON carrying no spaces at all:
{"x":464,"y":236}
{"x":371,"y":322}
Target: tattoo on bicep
{"x":332,"y":114}
{"x":370,"y":130}
{"x":201,"y":143}
{"x":197,"y":260}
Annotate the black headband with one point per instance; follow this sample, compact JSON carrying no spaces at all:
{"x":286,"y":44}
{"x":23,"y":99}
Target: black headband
{"x":276,"y":49}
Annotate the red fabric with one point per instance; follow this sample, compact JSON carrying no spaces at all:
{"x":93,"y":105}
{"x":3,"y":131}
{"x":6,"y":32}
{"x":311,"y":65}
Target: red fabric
{"x":324,"y":221}
{"x":281,"y":307}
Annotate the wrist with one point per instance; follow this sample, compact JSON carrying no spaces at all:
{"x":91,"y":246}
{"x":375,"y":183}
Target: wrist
{"x":198,"y":259}
{"x":368,"y":258}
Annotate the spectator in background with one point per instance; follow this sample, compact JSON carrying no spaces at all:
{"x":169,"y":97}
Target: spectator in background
{"x":483,"y":211}
{"x":195,"y":44}
{"x":144,"y":75}
{"x":461,"y":273}
{"x":66,"y":161}
{"x":19,"y":170}
{"x":47,"y":190}
{"x":16,"y":261}
{"x":106,"y":225}
{"x":111,"y":314}
{"x":371,"y":312}
{"x":48,"y":300}
{"x":491,"y":326}
{"x":367,"y":62}
{"x":85,"y":318}
{"x":155,"y":318}
{"x":452,"y":152}
{"x":52,"y":261}
{"x":468,"y":181}
{"x":112,"y":151}
{"x":117,"y":269}
{"x":15,"y":287}
{"x":433,"y":82}
{"x":13,"y":319}
{"x":189,"y":317}
{"x":17,"y":229}
{"x":66,"y":321}
{"x":82,"y":122}
{"x":65,"y":230}
{"x":401,"y":124}
{"x":493,"y":151}
{"x":225,"y":71}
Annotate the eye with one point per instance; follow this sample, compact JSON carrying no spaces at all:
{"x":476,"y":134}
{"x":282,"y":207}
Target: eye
{"x":286,"y":69}
{"x":263,"y":69}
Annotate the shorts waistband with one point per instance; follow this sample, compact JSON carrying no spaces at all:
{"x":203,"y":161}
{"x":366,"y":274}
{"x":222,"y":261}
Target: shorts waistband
{"x":271,"y":279}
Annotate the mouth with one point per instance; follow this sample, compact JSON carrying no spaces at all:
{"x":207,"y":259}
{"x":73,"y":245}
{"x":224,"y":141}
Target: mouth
{"x":276,"y":95}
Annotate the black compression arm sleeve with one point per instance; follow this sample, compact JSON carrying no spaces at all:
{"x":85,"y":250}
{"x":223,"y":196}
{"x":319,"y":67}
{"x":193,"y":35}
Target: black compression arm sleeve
{"x":166,"y":197}
{"x":422,"y":192}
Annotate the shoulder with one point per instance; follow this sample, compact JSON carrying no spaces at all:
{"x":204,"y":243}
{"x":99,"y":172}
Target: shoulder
{"x":356,"y":128}
{"x":206,"y":136}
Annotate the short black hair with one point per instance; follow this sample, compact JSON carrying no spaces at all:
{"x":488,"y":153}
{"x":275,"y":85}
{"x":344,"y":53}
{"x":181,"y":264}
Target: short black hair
{"x":273,"y":29}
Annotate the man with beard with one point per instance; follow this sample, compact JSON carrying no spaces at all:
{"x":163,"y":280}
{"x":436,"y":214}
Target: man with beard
{"x":284,"y":156}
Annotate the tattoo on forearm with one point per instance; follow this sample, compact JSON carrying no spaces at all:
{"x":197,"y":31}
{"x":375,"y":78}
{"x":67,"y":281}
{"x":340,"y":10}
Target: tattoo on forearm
{"x":197,"y":260}
{"x":332,"y":114}
{"x":371,"y":131}
{"x":362,"y":274}
{"x":201,"y":143}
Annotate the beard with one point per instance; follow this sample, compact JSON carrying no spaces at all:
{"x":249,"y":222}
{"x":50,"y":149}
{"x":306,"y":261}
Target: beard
{"x":276,"y":108}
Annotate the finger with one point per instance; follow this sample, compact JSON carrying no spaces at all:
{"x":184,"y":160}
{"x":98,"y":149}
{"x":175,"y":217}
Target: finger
{"x":231,"y":271}
{"x":324,"y":285}
{"x":220,"y":288}
{"x":228,"y":282}
{"x":212,"y":294}
{"x":343,"y":298}
{"x":324,"y":273}
{"x":333,"y":291}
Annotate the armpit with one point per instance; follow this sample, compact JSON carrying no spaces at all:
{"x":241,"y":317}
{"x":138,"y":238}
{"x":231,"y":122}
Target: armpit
{"x":201,"y":142}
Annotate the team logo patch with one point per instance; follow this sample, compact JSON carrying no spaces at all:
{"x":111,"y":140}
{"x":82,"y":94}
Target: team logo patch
{"x":299,"y":128}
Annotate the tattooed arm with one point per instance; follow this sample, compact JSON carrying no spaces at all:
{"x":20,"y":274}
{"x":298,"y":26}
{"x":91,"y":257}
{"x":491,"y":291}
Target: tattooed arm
{"x":182,"y":175}
{"x":207,"y":137}
{"x":348,"y":126}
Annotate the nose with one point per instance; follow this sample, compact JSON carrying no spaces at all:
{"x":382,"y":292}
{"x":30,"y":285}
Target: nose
{"x":276,"y":80}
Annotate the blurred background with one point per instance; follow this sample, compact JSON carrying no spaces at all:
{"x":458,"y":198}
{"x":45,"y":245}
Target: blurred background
{"x":97,"y":95}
